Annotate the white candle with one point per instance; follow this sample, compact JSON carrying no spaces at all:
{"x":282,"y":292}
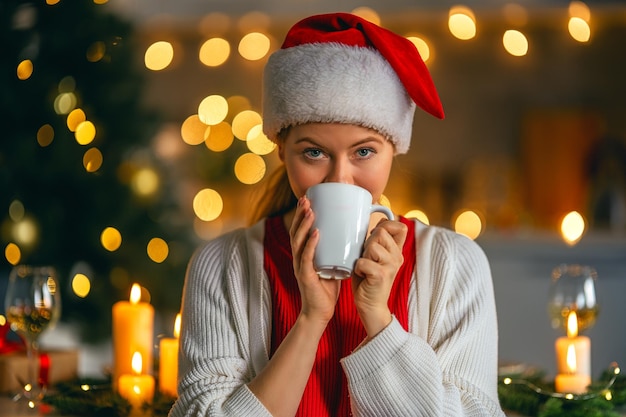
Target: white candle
{"x":573,"y":360}
{"x":137,"y":388}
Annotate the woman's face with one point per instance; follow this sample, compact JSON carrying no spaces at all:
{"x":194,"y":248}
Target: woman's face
{"x":331,"y":152}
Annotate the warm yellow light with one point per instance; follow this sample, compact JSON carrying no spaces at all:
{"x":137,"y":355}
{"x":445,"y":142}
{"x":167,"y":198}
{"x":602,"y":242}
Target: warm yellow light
{"x":65,"y":103}
{"x":422,"y":47}
{"x":515,"y":42}
{"x":579,"y":9}
{"x":468,"y":223}
{"x":220,"y":137}
{"x":208,"y":204}
{"x":85,"y":132}
{"x":579,"y":29}
{"x":135,"y":293}
{"x":571,"y":358}
{"x":461,"y":22}
{"x":572,"y":324}
{"x":158,"y":250}
{"x":25,"y":69}
{"x":12,"y":253}
{"x":193,"y":131}
{"x":572,"y":227}
{"x":25,"y":232}
{"x":81,"y":285}
{"x":145,"y":182}
{"x":74,"y":118}
{"x":137,"y":363}
{"x":100,"y":1}
{"x":177,"y":326}
{"x":214,"y":52}
{"x":419,"y":215}
{"x":96,"y":51}
{"x":258,"y":143}
{"x":159,"y":56}
{"x":254,"y":46}
{"x":45,"y":135}
{"x":111,"y":239}
{"x":237,"y":104}
{"x":92,"y":160}
{"x":244,"y":121}
{"x":213,"y":110}
{"x":250,"y":168}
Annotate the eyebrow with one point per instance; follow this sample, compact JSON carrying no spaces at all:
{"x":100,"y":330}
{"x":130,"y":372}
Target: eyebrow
{"x":358,"y":143}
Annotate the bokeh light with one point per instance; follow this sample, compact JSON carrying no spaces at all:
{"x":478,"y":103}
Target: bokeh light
{"x":250,"y":168}
{"x":85,"y":132}
{"x":254,"y":46}
{"x":158,"y":249}
{"x":81,"y":285}
{"x":74,"y":118}
{"x":462,"y":23}
{"x":145,"y":182}
{"x":65,"y":103}
{"x":213,"y":110}
{"x":214,"y":52}
{"x":368,"y":14}
{"x":258,"y":143}
{"x":572,"y":227}
{"x":159,"y":55}
{"x":220,"y":137}
{"x":12,"y":253}
{"x":96,"y":51}
{"x":208,"y":204}
{"x":16,"y":211}
{"x":111,"y":239}
{"x":45,"y":135}
{"x":25,"y":69}
{"x":193,"y":131}
{"x":515,"y":43}
{"x":417,"y":214}
{"x":244,"y":121}
{"x":468,"y":223}
{"x":92,"y":160}
{"x":25,"y":231}
{"x":421,"y":45}
{"x":579,"y":29}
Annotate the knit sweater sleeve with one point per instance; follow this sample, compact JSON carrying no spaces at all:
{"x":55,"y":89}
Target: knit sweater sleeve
{"x":446,"y":365}
{"x":214,"y":359}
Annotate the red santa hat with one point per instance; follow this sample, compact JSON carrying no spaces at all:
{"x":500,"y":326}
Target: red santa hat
{"x":341,"y":68}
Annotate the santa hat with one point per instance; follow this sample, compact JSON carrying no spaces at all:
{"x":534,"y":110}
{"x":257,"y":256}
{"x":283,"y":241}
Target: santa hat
{"x":341,"y":68}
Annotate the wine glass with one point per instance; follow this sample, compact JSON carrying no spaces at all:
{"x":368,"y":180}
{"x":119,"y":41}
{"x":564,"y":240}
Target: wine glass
{"x":573,"y":290}
{"x":32,"y":304}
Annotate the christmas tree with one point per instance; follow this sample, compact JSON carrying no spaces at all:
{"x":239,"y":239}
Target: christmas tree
{"x":75,"y":142}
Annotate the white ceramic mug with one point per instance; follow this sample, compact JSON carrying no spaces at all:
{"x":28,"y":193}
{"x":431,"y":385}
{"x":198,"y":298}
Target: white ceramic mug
{"x":342,"y":214}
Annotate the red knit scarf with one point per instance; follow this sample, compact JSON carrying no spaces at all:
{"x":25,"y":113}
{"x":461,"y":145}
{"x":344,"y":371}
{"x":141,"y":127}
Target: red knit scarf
{"x":326,"y":392}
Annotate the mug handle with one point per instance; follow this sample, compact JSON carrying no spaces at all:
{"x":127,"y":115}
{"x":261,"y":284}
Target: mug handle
{"x":382,"y":209}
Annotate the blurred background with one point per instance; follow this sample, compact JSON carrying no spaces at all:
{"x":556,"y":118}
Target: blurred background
{"x":131,"y":135}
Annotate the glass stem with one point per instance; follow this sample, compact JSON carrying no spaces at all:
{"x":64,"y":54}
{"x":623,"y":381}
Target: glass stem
{"x":32,"y":352}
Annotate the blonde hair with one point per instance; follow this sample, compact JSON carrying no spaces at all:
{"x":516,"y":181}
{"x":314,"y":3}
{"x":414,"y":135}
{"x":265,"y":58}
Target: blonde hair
{"x":275,"y":196}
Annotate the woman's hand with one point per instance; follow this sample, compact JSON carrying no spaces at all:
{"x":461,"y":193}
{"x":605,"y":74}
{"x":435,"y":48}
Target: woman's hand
{"x":375,"y":272}
{"x":319,"y":296}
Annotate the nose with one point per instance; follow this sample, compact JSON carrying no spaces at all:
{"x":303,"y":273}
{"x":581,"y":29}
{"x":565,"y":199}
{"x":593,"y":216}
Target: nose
{"x":339,"y":171}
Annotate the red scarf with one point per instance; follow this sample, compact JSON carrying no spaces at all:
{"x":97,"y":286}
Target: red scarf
{"x":326,"y":392}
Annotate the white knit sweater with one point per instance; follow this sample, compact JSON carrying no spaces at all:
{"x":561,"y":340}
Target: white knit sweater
{"x":445,"y":365}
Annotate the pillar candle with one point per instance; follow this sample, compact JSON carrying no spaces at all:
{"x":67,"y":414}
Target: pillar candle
{"x":133,"y":331}
{"x":137,"y":387}
{"x":168,"y":362}
{"x":573,"y":355}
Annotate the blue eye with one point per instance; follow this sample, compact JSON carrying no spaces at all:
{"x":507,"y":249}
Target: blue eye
{"x":364,"y":152}
{"x":313,"y":153}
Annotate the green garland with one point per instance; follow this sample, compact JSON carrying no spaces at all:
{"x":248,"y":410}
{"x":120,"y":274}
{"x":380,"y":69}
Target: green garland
{"x":96,"y":398}
{"x":524,"y":400}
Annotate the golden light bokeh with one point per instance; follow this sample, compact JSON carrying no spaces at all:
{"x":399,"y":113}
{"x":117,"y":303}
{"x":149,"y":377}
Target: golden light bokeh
{"x":45,"y":135}
{"x":515,"y":42}
{"x":214,"y":52}
{"x":462,"y":22}
{"x":208,"y":204}
{"x":237,"y":104}
{"x":145,"y":182}
{"x":258,"y":143}
{"x":85,"y":132}
{"x":65,"y":103}
{"x":254,"y":46}
{"x":92,"y":160}
{"x":25,"y":69}
{"x":417,"y":214}
{"x":213,"y":110}
{"x":421,"y":45}
{"x":25,"y":231}
{"x":111,"y":239}
{"x":74,"y":118}
{"x":244,"y":121}
{"x":193,"y":131}
{"x":579,"y":29}
{"x":159,"y":55}
{"x":572,"y":227}
{"x":81,"y":285}
{"x":468,"y":223}
{"x":579,"y":9}
{"x":158,"y":250}
{"x":250,"y":168}
{"x":12,"y":253}
{"x":96,"y":51}
{"x":220,"y":137}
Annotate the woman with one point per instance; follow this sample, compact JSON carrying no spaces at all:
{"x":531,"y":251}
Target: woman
{"x":413,"y":332}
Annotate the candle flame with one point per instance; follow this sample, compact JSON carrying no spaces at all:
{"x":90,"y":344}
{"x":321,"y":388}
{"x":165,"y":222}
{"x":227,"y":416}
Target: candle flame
{"x":572,"y":324}
{"x":135,"y":294}
{"x":571,"y":359}
{"x":137,"y":363}
{"x":177,"y":326}
{"x":137,"y":389}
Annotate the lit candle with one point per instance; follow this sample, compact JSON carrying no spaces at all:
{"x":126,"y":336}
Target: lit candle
{"x":168,"y":362}
{"x":133,"y":331}
{"x":137,"y":388}
{"x":573,"y":360}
